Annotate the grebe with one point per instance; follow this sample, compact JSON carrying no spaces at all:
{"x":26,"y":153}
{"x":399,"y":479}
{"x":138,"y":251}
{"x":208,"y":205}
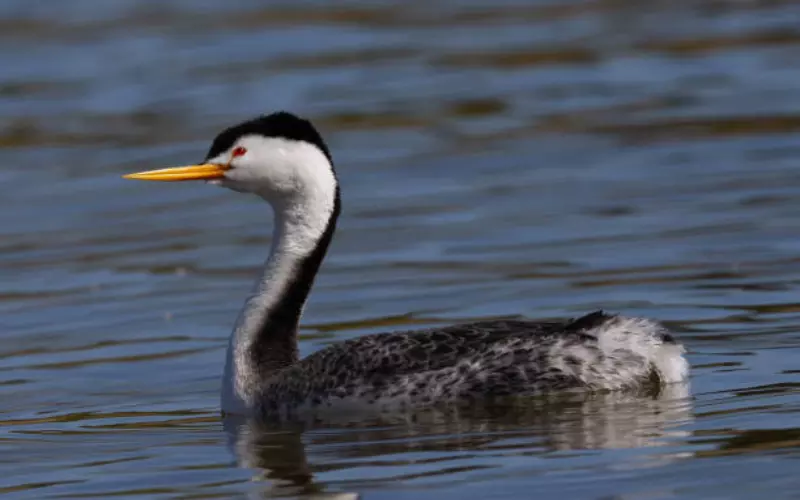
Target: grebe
{"x":284,"y":160}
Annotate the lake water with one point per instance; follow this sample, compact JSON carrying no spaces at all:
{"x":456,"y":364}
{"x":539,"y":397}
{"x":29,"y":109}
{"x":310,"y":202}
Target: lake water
{"x":496,"y":157}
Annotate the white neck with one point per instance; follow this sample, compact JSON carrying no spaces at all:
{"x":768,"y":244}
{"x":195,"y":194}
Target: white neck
{"x":264,"y":339}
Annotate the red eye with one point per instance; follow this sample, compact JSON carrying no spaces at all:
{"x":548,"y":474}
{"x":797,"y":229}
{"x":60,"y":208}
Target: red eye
{"x":238,"y":151}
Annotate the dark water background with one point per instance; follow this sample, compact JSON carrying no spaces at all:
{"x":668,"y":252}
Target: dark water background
{"x":496,"y":158}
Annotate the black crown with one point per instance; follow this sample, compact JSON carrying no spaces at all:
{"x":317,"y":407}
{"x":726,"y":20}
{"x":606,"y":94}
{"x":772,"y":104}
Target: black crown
{"x":281,"y":124}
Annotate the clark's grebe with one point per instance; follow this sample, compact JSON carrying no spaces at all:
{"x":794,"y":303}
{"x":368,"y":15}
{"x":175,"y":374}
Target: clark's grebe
{"x":284,"y":160}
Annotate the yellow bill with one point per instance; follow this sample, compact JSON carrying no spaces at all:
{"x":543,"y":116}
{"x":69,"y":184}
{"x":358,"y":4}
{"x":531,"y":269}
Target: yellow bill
{"x":187,"y":173}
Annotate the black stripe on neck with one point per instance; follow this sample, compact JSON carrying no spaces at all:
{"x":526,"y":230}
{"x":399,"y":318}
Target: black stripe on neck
{"x":275,"y":345}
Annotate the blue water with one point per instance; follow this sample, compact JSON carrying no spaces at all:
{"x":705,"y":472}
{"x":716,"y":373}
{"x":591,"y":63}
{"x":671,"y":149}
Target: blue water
{"x":496,"y":158}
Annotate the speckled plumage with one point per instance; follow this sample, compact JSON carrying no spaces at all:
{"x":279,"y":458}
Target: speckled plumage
{"x":476,"y":360}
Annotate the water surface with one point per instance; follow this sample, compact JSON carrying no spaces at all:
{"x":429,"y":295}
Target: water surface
{"x":496,"y":158}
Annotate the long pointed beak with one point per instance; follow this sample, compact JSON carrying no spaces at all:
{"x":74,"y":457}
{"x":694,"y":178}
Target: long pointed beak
{"x":188,"y":173}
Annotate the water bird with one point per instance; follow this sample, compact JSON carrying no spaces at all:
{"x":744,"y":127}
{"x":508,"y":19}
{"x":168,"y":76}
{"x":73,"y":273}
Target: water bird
{"x":284,"y":160}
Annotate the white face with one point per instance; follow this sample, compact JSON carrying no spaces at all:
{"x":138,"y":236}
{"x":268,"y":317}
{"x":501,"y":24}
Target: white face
{"x":275,"y":168}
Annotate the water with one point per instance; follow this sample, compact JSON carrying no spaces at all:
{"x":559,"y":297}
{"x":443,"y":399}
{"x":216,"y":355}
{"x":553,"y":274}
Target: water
{"x":496,"y":158}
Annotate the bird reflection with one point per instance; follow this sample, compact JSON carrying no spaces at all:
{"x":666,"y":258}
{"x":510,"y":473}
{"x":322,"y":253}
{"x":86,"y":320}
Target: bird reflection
{"x":287,"y":455}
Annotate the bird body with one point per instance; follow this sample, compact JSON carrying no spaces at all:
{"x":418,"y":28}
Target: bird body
{"x":283,"y":159}
{"x":473,"y":362}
